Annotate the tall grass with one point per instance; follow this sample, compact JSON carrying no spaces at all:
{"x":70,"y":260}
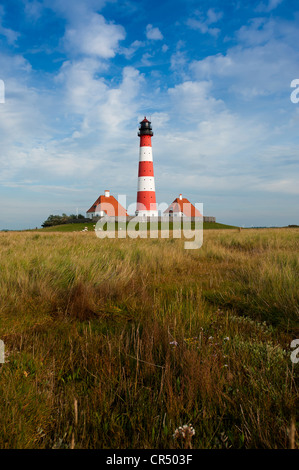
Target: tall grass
{"x":116,"y":343}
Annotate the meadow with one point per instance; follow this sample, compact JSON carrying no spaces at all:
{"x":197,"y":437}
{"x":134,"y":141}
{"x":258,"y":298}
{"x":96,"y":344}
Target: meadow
{"x":115,"y":343}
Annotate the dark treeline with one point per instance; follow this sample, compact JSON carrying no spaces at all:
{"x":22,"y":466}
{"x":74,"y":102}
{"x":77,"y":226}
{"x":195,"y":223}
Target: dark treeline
{"x":63,"y":219}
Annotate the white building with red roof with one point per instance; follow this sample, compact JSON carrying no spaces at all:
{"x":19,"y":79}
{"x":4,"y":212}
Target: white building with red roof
{"x":106,"y":205}
{"x":181,"y":207}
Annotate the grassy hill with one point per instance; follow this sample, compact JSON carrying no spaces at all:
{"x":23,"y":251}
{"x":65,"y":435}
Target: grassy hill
{"x":90,"y":226}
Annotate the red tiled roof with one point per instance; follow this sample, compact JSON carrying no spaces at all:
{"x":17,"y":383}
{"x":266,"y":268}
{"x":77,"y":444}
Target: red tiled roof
{"x":109,"y":205}
{"x":184,"y":206}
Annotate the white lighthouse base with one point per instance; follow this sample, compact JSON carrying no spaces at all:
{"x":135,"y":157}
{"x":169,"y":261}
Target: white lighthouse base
{"x":146,"y":213}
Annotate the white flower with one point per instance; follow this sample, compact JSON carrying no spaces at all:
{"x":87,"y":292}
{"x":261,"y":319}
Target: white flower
{"x":187,"y":431}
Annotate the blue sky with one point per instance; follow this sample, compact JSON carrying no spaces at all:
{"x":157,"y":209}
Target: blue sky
{"x":213,"y":76}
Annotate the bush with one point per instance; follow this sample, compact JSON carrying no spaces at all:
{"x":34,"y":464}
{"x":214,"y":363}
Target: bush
{"x":62,"y":219}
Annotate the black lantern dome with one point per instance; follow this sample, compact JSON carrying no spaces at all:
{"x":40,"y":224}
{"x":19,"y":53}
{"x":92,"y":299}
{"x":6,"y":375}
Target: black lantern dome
{"x":145,"y":128}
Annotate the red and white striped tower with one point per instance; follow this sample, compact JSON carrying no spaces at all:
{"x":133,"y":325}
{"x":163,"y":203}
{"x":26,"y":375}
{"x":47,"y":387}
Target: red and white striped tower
{"x":146,"y":195}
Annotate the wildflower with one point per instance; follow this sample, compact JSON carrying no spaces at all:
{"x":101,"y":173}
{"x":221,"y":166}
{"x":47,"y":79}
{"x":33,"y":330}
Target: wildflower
{"x":174,"y":343}
{"x":191,"y":341}
{"x":185,"y":433}
{"x":226,"y":339}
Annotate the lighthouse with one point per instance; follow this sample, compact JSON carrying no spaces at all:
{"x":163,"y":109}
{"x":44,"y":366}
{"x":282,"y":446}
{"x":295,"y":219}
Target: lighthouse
{"x":146,"y":195}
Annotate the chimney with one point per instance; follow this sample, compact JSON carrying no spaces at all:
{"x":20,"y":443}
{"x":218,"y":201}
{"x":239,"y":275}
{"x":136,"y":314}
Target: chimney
{"x":181,"y":197}
{"x":107,"y":193}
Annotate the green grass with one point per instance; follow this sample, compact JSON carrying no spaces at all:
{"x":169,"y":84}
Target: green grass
{"x":80,"y":226}
{"x":68,"y":227}
{"x":114,"y":343}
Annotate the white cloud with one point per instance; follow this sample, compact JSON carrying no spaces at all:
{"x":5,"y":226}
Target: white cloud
{"x":82,"y":89}
{"x":213,"y":16}
{"x":87,"y":32}
{"x":145,"y":59}
{"x":75,"y":10}
{"x":178,"y":61}
{"x":202,"y":27}
{"x":161,"y":120}
{"x":94,"y":37}
{"x":67,"y":137}
{"x":267,"y":7}
{"x":22,"y":122}
{"x":194,"y":100}
{"x":119,"y":105}
{"x":128,"y":52}
{"x":203,"y":24}
{"x":260,"y":65}
{"x":153,"y":33}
